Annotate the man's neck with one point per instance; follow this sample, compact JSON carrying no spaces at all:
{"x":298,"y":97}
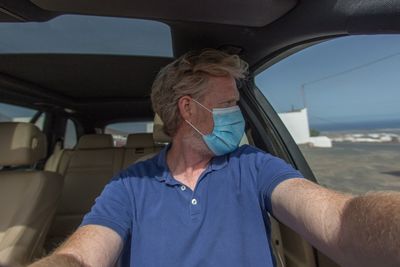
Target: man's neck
{"x":185,"y":163}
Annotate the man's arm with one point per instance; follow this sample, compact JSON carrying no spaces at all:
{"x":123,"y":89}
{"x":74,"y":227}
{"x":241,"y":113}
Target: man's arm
{"x":353,"y":231}
{"x":90,"y":245}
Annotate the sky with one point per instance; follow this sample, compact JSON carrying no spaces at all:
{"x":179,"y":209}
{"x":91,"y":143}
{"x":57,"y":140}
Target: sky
{"x":11,"y":111}
{"x":369,"y":91}
{"x":87,"y":34}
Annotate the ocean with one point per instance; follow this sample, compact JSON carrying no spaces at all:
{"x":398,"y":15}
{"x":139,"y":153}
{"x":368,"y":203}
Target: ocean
{"x":379,"y":126}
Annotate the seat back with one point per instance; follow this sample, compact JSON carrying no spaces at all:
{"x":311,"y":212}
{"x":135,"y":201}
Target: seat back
{"x":138,"y":146}
{"x":86,"y":169}
{"x":159,"y":138}
{"x":28,"y":197}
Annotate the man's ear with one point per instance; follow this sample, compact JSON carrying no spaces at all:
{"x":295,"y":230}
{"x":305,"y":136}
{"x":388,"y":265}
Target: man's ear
{"x":185,"y":107}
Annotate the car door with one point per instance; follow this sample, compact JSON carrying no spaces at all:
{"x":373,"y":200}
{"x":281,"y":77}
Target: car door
{"x":331,"y":111}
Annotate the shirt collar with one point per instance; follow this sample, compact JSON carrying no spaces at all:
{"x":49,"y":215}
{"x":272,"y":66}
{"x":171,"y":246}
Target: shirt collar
{"x":162,"y":163}
{"x":216,"y":163}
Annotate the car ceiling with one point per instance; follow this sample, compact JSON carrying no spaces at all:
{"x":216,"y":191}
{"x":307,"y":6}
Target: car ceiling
{"x":258,"y":30}
{"x":82,"y":77}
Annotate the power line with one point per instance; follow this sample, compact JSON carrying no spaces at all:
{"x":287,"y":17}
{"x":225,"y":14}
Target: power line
{"x":303,"y":93}
{"x":352,"y":69}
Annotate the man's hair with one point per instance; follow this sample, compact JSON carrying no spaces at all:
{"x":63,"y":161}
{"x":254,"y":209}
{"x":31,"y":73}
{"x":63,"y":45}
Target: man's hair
{"x":188,"y":75}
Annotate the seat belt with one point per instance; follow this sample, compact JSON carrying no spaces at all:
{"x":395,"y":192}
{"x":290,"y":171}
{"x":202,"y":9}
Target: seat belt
{"x":53,"y":162}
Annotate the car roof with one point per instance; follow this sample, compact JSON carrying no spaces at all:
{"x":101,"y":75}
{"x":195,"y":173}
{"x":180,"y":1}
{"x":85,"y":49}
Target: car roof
{"x":257,"y":30}
{"x":253,"y":28}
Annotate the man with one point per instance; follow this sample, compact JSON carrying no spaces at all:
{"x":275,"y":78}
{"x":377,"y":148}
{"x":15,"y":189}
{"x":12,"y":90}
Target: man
{"x":203,"y":201}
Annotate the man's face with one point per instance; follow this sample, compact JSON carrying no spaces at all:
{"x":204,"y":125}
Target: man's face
{"x":221,"y":92}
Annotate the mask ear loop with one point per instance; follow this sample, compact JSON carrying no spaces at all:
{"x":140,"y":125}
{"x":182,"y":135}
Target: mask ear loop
{"x":223,"y":141}
{"x":197,"y":130}
{"x":202,"y":105}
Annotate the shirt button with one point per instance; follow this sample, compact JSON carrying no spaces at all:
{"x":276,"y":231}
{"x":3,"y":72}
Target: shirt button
{"x":194,"y":201}
{"x":183,"y":188}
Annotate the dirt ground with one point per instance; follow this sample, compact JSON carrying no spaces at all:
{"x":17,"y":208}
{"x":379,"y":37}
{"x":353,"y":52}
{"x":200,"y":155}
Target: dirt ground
{"x":356,"y":167}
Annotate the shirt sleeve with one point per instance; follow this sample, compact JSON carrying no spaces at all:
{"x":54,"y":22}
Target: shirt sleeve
{"x":271,"y":172}
{"x":113,"y":208}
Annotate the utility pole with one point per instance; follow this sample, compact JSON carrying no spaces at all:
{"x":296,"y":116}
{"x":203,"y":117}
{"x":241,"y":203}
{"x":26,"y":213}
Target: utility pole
{"x":303,"y":95}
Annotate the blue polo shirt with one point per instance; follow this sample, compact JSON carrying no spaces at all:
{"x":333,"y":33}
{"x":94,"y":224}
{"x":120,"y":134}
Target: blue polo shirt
{"x":223,"y":222}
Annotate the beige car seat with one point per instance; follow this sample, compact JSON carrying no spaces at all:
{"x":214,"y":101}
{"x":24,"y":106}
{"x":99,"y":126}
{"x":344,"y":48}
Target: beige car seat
{"x":28,"y":197}
{"x":138,"y":146}
{"x":86,"y":170}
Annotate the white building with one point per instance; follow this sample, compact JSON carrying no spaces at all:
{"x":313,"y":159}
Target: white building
{"x":297,"y":124}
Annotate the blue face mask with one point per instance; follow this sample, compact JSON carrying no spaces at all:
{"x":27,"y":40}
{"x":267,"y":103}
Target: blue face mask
{"x":228,"y":129}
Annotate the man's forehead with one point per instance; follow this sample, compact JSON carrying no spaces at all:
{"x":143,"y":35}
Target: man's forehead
{"x":222,"y":92}
{"x":222,"y":85}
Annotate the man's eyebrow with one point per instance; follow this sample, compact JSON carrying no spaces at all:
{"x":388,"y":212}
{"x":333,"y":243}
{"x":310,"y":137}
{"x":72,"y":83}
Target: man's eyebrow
{"x":236,"y":99}
{"x":228,"y":101}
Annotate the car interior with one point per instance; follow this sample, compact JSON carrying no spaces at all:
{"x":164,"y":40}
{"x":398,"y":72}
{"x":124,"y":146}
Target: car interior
{"x":46,"y":188}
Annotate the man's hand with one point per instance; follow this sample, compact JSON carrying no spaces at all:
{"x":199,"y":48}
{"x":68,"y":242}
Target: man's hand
{"x":90,"y":245}
{"x":353,"y":231}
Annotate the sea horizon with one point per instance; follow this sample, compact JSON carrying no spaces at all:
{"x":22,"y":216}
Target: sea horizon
{"x":367,"y":126}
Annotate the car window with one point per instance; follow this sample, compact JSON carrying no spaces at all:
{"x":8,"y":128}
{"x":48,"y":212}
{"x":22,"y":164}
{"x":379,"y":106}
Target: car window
{"x":16,"y":113}
{"x":339,"y":100}
{"x":39,"y":121}
{"x":70,"y":136}
{"x":120,"y":131}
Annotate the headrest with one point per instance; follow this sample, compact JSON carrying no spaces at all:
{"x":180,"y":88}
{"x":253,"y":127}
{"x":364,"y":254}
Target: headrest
{"x":158,"y":134}
{"x":90,"y":141}
{"x":21,"y":143}
{"x":140,"y":140}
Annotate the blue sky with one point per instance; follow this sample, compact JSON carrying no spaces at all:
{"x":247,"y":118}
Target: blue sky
{"x":370,"y":93}
{"x":87,"y":34}
{"x":12,"y":111}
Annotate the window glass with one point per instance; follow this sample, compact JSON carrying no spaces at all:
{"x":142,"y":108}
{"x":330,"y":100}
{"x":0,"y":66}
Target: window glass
{"x":70,"y":137}
{"x":40,"y":121}
{"x":339,"y":100}
{"x":88,"y":35}
{"x":16,"y":113}
{"x":120,"y":131}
